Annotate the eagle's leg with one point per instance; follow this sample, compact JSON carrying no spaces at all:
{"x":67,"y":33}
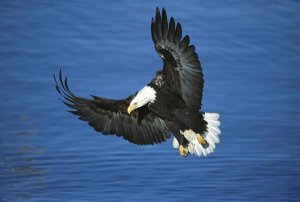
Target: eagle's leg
{"x":202,"y":141}
{"x":183,"y":151}
{"x":174,"y":127}
{"x":183,"y":144}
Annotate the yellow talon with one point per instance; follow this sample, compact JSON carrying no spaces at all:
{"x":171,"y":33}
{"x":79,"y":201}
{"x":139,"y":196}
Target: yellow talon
{"x":183,"y":151}
{"x":200,"y":139}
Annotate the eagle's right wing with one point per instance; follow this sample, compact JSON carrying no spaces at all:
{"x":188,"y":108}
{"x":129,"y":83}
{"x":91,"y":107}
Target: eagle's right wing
{"x":182,"y":69}
{"x":111,"y":117}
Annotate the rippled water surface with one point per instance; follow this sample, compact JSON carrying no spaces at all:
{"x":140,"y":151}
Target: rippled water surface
{"x":250,"y":53}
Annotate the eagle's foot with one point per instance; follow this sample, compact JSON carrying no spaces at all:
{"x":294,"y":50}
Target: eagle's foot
{"x":183,"y":151}
{"x":202,"y":141}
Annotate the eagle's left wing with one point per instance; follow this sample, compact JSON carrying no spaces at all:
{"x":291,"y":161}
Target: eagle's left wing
{"x":110,"y":116}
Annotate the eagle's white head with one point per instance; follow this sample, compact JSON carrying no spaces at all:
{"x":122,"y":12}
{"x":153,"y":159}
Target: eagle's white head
{"x":145,"y":96}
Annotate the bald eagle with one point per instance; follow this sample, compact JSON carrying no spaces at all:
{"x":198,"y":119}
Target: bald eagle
{"x":167,"y":106}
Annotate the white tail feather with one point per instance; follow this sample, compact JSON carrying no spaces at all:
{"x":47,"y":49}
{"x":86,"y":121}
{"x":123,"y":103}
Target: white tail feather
{"x":211,"y":136}
{"x":175,"y":143}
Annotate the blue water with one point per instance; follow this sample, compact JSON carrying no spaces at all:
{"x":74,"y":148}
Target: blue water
{"x":250,"y":53}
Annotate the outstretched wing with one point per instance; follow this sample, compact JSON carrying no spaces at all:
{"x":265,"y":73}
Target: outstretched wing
{"x":182,"y":69}
{"x":111,"y":117}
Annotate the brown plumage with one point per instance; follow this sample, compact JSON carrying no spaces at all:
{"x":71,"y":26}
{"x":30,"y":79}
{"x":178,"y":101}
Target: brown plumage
{"x":168,"y":105}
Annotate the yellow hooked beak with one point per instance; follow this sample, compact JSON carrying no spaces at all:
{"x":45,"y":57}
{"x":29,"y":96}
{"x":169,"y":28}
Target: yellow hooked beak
{"x":130,"y":108}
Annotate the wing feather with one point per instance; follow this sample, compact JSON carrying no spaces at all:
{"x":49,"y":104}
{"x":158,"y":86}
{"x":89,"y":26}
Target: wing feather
{"x":110,"y":116}
{"x":182,"y":68}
